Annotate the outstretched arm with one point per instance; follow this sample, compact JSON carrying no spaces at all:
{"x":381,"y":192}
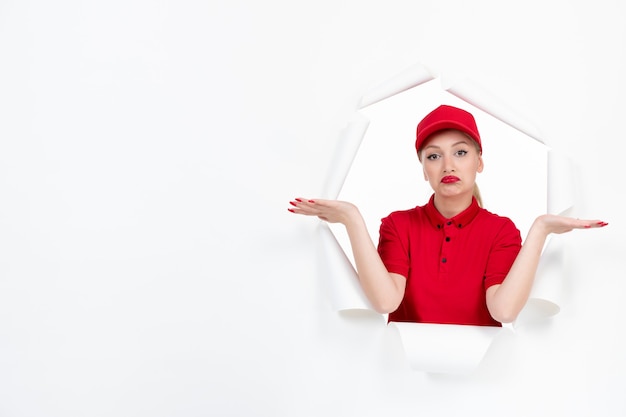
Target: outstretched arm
{"x":505,"y":301}
{"x":384,"y":290}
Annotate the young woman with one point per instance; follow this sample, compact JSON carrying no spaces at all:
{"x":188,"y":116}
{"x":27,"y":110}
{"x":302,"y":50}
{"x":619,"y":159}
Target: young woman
{"x":449,"y":261}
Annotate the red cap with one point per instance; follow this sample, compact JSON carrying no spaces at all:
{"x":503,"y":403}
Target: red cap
{"x":446,"y":117}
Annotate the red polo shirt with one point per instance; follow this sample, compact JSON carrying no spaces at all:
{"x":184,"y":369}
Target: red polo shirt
{"x":448,"y":263}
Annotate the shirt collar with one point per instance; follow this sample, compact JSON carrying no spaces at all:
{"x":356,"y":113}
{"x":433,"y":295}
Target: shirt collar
{"x":460,"y":220}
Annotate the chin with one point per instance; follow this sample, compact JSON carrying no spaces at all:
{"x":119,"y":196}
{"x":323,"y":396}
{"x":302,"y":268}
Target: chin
{"x":452,"y":193}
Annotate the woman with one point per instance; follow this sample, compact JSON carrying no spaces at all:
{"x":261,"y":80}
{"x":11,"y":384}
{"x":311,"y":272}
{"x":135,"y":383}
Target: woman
{"x":449,"y":261}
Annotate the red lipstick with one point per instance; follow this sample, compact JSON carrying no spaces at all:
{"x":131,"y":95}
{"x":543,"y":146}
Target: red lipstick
{"x":449,"y":179}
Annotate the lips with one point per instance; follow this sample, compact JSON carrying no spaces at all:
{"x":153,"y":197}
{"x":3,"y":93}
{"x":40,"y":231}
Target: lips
{"x":449,"y":179}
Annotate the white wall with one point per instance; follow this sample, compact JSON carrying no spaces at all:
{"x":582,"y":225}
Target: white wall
{"x":148,"y":149}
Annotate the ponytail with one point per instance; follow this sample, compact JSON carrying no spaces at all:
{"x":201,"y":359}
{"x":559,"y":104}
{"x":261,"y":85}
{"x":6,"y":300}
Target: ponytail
{"x":476,"y":195}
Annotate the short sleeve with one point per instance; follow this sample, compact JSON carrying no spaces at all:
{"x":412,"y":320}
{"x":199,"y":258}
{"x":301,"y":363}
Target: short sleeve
{"x":506,"y":247}
{"x":393,"y":245}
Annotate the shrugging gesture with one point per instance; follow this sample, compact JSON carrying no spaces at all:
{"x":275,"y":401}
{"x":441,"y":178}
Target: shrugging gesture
{"x":450,"y":260}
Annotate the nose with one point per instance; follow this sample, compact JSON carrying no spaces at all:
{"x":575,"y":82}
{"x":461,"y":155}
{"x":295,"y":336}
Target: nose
{"x":448,"y":164}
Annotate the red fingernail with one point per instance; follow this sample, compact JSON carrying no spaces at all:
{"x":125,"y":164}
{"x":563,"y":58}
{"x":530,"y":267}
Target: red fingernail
{"x":587,"y":226}
{"x":293,"y":204}
{"x":311,"y":201}
{"x":298,"y":200}
{"x":291,"y":210}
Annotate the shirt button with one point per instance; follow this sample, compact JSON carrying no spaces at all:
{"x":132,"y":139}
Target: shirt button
{"x":448,"y":239}
{"x":444,"y":260}
{"x":449,"y":223}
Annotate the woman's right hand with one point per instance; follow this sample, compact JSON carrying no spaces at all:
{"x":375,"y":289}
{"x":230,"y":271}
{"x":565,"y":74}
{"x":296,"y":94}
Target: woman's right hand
{"x":332,"y":211}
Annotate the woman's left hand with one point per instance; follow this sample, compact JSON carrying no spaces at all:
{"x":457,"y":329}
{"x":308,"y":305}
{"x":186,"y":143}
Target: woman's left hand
{"x":560,"y":224}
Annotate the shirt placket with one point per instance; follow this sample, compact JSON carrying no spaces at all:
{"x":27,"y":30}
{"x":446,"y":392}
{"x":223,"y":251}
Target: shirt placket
{"x":447,"y":254}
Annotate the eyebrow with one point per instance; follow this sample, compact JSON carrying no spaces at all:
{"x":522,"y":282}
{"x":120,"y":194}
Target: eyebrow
{"x":461,"y":142}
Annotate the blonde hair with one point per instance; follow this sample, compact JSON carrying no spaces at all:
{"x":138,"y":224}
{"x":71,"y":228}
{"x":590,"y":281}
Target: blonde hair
{"x":477,"y":195}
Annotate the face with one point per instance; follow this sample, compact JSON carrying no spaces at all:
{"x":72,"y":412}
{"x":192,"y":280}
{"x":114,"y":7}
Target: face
{"x":450,"y":161}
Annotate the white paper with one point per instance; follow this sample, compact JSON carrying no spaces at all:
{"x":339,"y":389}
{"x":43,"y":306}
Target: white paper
{"x":409,"y":78}
{"x":560,"y":183}
{"x":338,"y":275}
{"x":545,"y":295}
{"x":488,"y":103}
{"x":346,"y":149}
{"x":445,"y":348}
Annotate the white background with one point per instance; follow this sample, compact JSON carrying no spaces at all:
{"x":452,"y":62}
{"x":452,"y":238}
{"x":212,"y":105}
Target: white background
{"x":148,"y":151}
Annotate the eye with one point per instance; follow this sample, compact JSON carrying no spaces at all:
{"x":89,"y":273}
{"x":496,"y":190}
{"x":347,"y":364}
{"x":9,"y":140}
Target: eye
{"x":433,"y":157}
{"x":461,"y":152}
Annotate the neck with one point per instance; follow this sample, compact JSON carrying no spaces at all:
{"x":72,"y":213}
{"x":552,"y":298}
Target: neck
{"x":451,"y":206}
